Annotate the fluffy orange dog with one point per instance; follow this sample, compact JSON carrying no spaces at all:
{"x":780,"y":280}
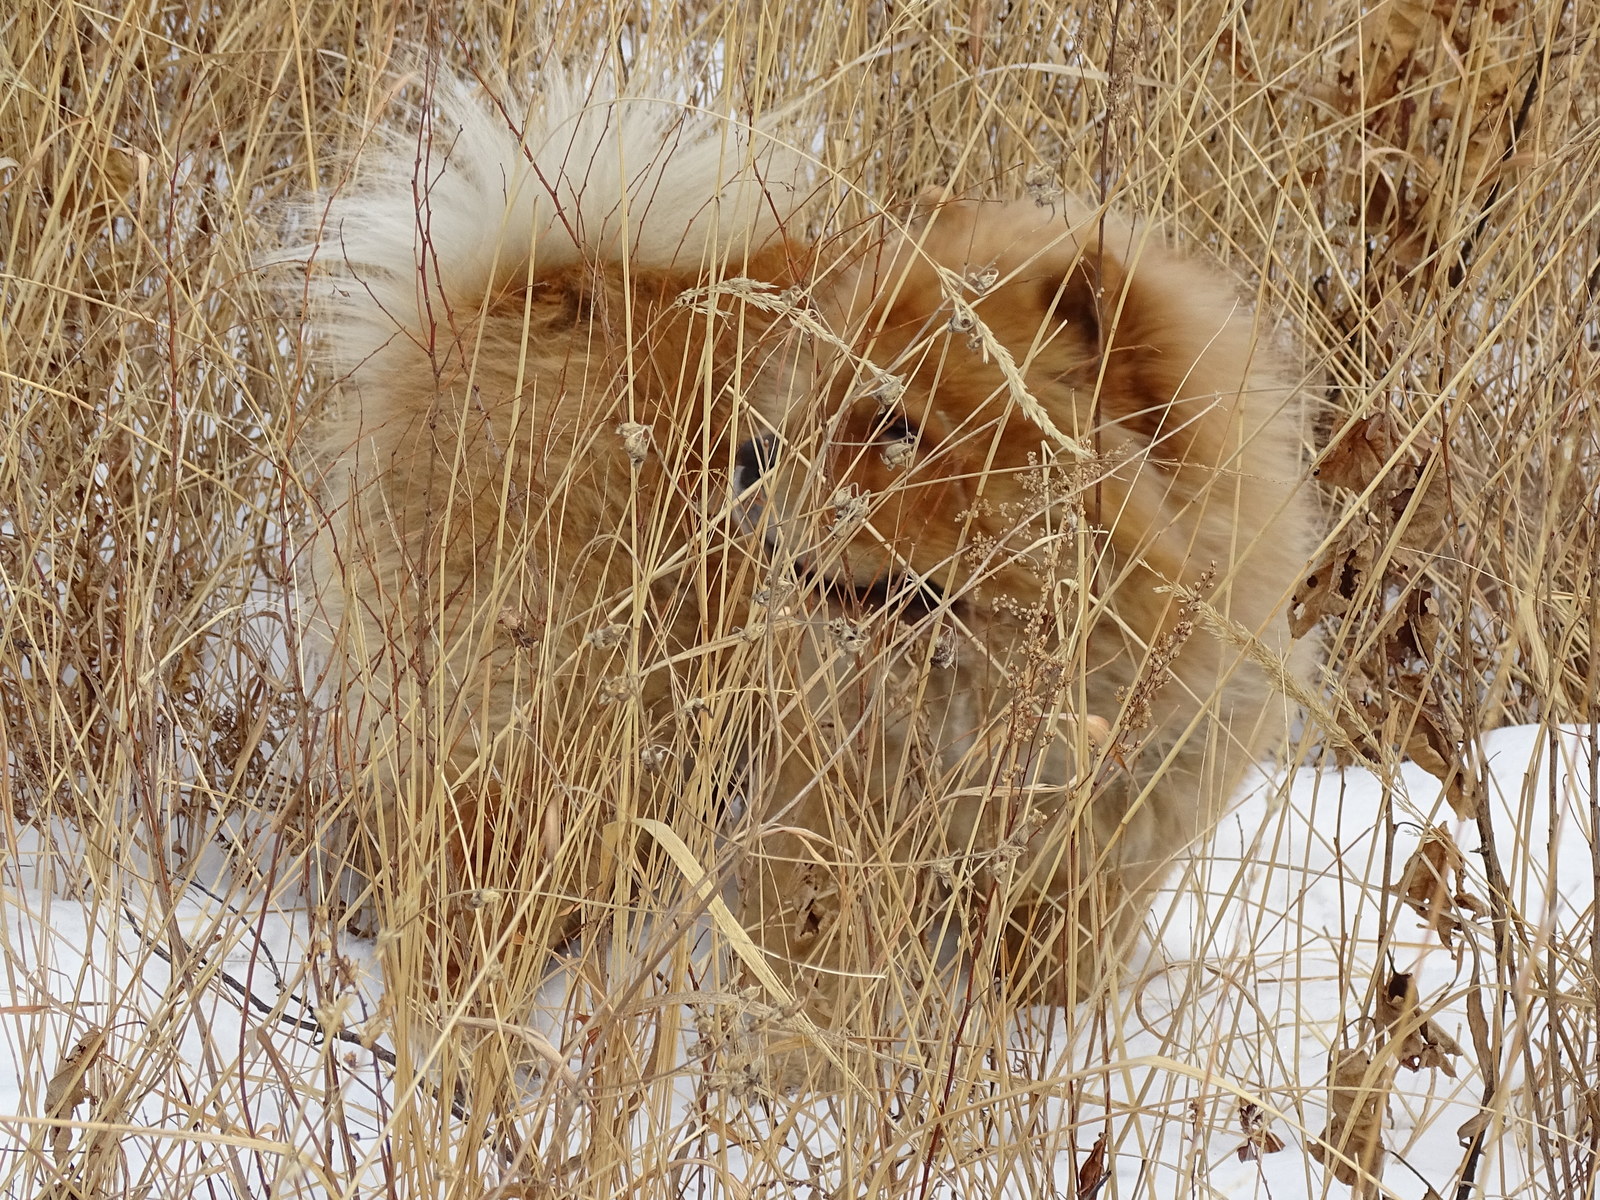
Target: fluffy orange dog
{"x":1036,"y":456}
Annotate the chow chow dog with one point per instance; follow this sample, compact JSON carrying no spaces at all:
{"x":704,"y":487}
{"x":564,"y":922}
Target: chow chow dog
{"x":645,"y":505}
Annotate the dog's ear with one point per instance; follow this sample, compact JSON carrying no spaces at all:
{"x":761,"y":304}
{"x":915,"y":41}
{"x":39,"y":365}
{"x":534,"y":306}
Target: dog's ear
{"x":1076,"y":298}
{"x":577,"y":294}
{"x":1086,"y":296}
{"x":590,"y":294}
{"x":560,"y":299}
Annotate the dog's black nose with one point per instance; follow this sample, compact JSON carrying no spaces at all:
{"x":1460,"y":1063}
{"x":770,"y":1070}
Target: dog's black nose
{"x":754,"y":459}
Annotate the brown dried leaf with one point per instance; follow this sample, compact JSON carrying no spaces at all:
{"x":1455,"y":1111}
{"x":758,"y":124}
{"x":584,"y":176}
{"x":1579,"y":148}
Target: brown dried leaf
{"x":1464,"y":794}
{"x":1092,"y":1170}
{"x":105,"y":185}
{"x":1421,"y":748}
{"x":1396,"y":28}
{"x":121,"y":172}
{"x":1430,"y":1046}
{"x":1431,"y":748}
{"x":1420,"y":629}
{"x":1444,"y":858}
{"x":1481,"y":94}
{"x":67,"y":1089}
{"x":1478,"y":1026}
{"x":1417,"y":1041}
{"x":1358,"y":1099}
{"x":1390,"y":34}
{"x":1472,"y":1128}
{"x":1237,"y":55}
{"x":1257,"y":1144}
{"x":1428,"y":504}
{"x":1259,"y":1140}
{"x":1427,"y":882}
{"x":1362,"y":715}
{"x":1335,"y":579}
{"x":1361,"y":454}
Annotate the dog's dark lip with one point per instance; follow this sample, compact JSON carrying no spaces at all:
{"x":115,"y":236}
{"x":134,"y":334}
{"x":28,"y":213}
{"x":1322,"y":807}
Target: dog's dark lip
{"x":910,"y":598}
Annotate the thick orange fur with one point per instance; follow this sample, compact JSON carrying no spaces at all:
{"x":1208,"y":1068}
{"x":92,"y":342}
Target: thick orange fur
{"x":1066,"y":433}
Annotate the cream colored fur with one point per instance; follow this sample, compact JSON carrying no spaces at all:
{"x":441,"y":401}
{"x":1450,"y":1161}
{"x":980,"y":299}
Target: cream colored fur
{"x":1042,"y":413}
{"x":523,"y":466}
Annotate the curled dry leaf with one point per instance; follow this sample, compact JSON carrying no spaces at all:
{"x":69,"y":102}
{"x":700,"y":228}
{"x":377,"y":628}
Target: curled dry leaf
{"x":105,"y":186}
{"x":1361,"y":454}
{"x":1092,"y":1170}
{"x":1258,"y":1139}
{"x":1257,"y":1144}
{"x":1237,"y":56}
{"x":1416,"y":1040}
{"x":1421,"y":630}
{"x":1358,"y":1101}
{"x":67,"y":1088}
{"x":1473,"y":1128}
{"x":1421,"y":510}
{"x":1434,"y":744}
{"x":1422,"y":71}
{"x":1430,"y":749}
{"x":1432,"y":884}
{"x":1425,"y":881}
{"x":1478,"y":1025}
{"x":1337,"y":577}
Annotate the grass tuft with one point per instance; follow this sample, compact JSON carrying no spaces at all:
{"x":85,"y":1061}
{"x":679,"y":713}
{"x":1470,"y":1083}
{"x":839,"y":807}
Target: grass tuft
{"x":1407,"y":192}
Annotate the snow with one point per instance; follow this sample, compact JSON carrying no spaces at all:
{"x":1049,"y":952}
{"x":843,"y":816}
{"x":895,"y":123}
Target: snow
{"x":1268,"y":945}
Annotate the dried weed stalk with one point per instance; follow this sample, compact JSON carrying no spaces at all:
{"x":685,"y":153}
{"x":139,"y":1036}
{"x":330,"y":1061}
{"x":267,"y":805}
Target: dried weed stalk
{"x":1407,"y":189}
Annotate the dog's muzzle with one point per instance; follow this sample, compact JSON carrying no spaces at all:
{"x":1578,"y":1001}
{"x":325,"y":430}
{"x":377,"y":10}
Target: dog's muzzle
{"x":911,"y":597}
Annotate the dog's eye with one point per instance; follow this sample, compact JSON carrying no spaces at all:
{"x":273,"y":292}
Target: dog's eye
{"x":897,"y":429}
{"x":897,"y":442}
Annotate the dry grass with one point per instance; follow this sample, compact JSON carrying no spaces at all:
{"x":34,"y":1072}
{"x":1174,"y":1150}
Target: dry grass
{"x":1409,"y":194}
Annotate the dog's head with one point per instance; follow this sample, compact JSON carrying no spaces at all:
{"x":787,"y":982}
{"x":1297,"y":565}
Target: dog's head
{"x":1004,"y":375}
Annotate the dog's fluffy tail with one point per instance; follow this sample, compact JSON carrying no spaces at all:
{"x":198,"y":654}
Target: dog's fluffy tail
{"x":480,"y":199}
